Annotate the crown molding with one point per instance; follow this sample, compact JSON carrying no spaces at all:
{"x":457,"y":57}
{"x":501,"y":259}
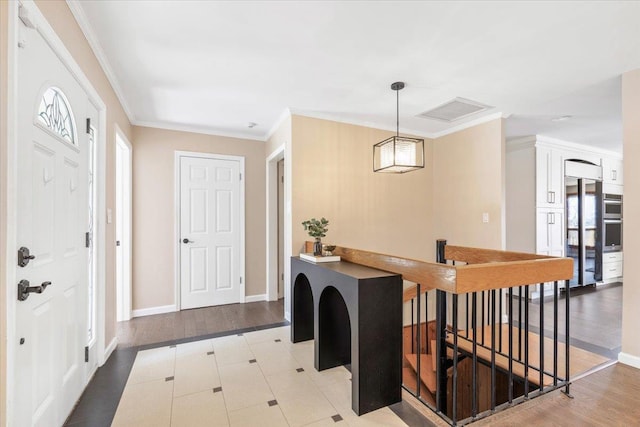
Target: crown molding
{"x":518,"y":143}
{"x":466,"y":125}
{"x":576,"y":146}
{"x":364,"y":123}
{"x":423,"y":134}
{"x":96,"y":47}
{"x":286,"y":113}
{"x":198,"y":129}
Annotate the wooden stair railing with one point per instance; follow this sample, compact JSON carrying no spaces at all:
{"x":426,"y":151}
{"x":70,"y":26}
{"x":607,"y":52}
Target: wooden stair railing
{"x":486,"y":269}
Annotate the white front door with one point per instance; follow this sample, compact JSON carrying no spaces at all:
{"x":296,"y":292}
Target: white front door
{"x":52,"y":209}
{"x":210,"y":231}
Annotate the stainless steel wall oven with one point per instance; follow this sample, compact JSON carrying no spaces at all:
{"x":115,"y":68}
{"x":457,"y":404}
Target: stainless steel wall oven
{"x":612,"y":222}
{"x":612,"y":206}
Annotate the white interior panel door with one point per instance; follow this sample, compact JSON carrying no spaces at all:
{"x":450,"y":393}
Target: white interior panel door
{"x":52,"y":206}
{"x":209,"y":232}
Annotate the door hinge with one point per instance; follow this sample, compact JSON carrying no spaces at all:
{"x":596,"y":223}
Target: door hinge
{"x":240,"y":176}
{"x":282,"y":179}
{"x":87,"y":239}
{"x":88,"y":125}
{"x":241,"y":280}
{"x":282,"y":276}
{"x":86,"y":354}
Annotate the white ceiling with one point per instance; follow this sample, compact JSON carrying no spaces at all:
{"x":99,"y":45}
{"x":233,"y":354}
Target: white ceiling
{"x":216,"y":66}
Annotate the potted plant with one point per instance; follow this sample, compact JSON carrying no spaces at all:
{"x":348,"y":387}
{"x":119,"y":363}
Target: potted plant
{"x":317,"y":228}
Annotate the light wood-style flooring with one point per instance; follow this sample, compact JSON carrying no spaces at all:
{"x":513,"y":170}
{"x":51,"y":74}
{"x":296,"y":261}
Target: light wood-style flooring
{"x":605,"y":398}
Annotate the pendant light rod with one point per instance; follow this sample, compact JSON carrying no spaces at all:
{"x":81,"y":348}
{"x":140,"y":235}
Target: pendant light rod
{"x":397,"y":86}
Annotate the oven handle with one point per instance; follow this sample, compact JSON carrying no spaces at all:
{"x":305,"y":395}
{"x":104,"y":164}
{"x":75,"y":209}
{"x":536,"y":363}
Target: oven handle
{"x":613,"y":221}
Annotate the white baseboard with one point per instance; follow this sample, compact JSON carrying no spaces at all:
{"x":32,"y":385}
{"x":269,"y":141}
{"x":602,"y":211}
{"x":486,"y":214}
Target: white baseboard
{"x":629,"y":359}
{"x":153,"y":310}
{"x":255,"y":298}
{"x":112,"y":346}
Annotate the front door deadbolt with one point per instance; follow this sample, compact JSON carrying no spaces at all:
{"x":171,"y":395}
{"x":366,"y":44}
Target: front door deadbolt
{"x":24,"y":256}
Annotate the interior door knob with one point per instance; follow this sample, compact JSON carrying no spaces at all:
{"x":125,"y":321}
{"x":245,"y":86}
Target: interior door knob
{"x":187,"y":241}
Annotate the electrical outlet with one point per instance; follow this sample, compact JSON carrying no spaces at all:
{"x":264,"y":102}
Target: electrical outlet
{"x":485,"y":217}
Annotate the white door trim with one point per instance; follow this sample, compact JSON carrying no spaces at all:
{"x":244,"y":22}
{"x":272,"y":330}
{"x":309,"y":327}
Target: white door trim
{"x":58,"y":47}
{"x":176,"y":190}
{"x":272,"y":222}
{"x":127,"y":228}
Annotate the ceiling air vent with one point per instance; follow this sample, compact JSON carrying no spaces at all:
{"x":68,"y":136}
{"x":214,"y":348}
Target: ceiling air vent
{"x":455,"y":109}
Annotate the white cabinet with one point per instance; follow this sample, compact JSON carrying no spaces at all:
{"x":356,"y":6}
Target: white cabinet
{"x":549,"y":232}
{"x":611,"y":267}
{"x":612,"y":171}
{"x":549,"y":241}
{"x":549,"y":178}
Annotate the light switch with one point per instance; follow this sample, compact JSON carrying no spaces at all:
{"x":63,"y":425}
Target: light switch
{"x":109,"y":216}
{"x":485,"y":217}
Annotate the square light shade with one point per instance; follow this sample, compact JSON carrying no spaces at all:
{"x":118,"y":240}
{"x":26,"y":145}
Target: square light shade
{"x":398,"y":154}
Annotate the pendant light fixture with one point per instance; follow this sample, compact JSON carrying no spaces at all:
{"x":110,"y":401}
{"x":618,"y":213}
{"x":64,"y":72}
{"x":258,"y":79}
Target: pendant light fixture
{"x":398,"y":154}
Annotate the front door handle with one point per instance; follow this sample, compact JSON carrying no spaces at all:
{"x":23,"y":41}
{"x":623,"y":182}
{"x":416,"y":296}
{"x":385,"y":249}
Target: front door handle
{"x":24,"y":289}
{"x":187,"y":241}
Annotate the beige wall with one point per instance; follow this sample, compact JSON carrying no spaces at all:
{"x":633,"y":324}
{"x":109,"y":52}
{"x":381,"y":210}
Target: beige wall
{"x":332,"y":176}
{"x":154,"y":210}
{"x":468,"y":179}
{"x":4,"y":23}
{"x":66,"y":27}
{"x":631,"y":146}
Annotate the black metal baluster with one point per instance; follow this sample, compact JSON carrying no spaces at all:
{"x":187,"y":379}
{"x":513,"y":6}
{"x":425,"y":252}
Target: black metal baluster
{"x":555,"y":333}
{"x":426,"y":321}
{"x":454,"y":400}
{"x":482,"y":315}
{"x":474,"y":380}
{"x":500,"y":314}
{"x":441,"y":336}
{"x":510,"y":345}
{"x":419,"y":343}
{"x":520,"y":329}
{"x":493,"y":350}
{"x":466,"y":328}
{"x":413,"y":333}
{"x":541,"y":337}
{"x":526,"y":343}
{"x":568,"y":343}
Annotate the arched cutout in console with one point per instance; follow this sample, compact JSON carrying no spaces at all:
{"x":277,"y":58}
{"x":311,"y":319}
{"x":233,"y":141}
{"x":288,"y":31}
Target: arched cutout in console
{"x":334,"y":330}
{"x":302,"y":309}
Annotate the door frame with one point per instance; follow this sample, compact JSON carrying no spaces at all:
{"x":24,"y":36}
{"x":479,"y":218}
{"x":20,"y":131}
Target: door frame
{"x":272,"y":223}
{"x":127,"y":216}
{"x":58,"y":47}
{"x":178,"y":155}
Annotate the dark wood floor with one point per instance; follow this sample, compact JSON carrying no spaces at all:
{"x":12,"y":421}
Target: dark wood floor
{"x":198,"y":322}
{"x":595,"y":318}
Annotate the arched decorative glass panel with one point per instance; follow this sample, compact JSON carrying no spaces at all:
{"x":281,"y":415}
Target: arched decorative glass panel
{"x":55,"y":113}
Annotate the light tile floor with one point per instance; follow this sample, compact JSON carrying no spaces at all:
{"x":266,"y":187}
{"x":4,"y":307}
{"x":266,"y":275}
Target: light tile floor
{"x":254,"y":379}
